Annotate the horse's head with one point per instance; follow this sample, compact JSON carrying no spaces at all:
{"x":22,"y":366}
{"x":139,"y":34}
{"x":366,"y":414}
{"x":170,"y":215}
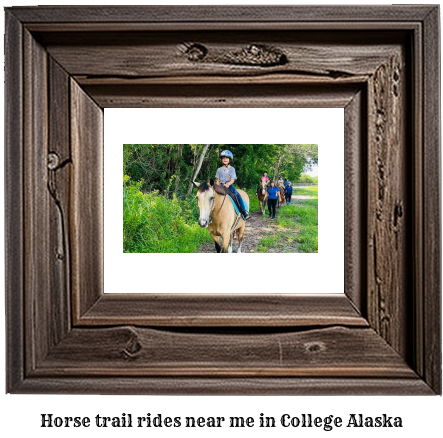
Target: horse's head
{"x":206,"y":200}
{"x":263,"y":187}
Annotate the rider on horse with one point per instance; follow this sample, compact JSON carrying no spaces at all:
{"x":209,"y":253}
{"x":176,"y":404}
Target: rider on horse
{"x":226,"y":176}
{"x":264,"y":179}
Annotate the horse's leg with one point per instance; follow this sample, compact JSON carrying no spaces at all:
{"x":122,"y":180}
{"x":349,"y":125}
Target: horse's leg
{"x":231,"y":238}
{"x":240,"y":235}
{"x":217,"y":245}
{"x":226,"y":241}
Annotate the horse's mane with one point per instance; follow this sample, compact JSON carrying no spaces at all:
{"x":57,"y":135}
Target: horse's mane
{"x":221,"y":190}
{"x":203,"y":187}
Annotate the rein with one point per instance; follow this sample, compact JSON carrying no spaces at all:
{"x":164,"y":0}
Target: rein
{"x":211,"y":219}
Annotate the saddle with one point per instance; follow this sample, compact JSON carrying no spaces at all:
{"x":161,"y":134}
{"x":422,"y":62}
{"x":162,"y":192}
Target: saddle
{"x":222,"y":190}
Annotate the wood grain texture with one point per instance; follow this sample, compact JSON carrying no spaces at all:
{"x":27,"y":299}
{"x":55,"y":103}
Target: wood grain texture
{"x":355,"y":177}
{"x":78,"y":60}
{"x":262,"y":79}
{"x":243,"y":14}
{"x":170,"y":54}
{"x":417,"y":245}
{"x":431,"y":321}
{"x":14,"y":203}
{"x":37,"y":306}
{"x":59,"y":167}
{"x":388,"y":203}
{"x":289,"y":386}
{"x":232,"y":26}
{"x":225,"y":96}
{"x":129,"y":351}
{"x":47,"y":304}
{"x":205,"y":310}
{"x":86,"y":208}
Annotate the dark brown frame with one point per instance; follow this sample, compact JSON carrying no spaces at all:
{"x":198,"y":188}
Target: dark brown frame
{"x":64,"y":65}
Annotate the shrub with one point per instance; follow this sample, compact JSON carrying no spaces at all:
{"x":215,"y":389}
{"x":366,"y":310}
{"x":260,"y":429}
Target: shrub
{"x":304,"y":178}
{"x":154,"y":224}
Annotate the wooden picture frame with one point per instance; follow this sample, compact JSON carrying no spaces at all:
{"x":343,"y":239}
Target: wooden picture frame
{"x":65,"y":64}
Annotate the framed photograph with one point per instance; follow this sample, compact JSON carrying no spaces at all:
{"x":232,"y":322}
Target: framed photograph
{"x":158,"y":221}
{"x":238,"y":186}
{"x":378,"y":332}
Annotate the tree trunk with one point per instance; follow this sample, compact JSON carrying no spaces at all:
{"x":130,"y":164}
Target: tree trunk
{"x":277,"y":169}
{"x":177,"y":167}
{"x":197,"y":170}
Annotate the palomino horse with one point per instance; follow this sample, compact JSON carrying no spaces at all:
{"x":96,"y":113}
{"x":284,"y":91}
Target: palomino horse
{"x":262,"y":194}
{"x":218,"y":215}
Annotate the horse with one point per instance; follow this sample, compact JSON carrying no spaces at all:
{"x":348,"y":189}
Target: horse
{"x":282,"y":197}
{"x":262,"y":194}
{"x":218,"y":215}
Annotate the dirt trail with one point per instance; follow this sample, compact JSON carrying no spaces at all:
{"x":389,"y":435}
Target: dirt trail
{"x":295,"y":197}
{"x":258,"y":227}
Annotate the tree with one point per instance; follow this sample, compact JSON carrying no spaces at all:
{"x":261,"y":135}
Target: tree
{"x":294,"y":158}
{"x":170,"y":169}
{"x":197,"y":168}
{"x":305,"y":178}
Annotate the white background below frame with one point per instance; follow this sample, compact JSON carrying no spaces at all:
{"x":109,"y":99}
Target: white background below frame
{"x":322,"y":272}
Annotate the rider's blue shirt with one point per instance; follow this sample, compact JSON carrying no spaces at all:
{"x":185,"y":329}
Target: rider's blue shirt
{"x":272,"y":192}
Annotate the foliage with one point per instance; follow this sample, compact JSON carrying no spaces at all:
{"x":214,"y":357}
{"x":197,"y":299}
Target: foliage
{"x":155,"y":224}
{"x":305,"y":178}
{"x":253,"y":201}
{"x":298,"y":225}
{"x":168,"y":168}
{"x":158,"y":216}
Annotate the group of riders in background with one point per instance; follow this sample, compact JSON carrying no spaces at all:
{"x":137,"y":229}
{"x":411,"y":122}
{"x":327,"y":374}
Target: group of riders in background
{"x":224,"y":224}
{"x":275,"y":192}
{"x":268,"y":190}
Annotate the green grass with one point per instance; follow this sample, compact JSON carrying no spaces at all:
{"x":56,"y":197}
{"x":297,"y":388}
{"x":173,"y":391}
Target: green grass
{"x":297,"y":224}
{"x":253,"y":201}
{"x":155,"y":224}
{"x":307,"y":190}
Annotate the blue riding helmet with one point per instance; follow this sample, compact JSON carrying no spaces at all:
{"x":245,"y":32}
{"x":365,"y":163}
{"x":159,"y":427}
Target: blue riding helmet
{"x":227,"y":154}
